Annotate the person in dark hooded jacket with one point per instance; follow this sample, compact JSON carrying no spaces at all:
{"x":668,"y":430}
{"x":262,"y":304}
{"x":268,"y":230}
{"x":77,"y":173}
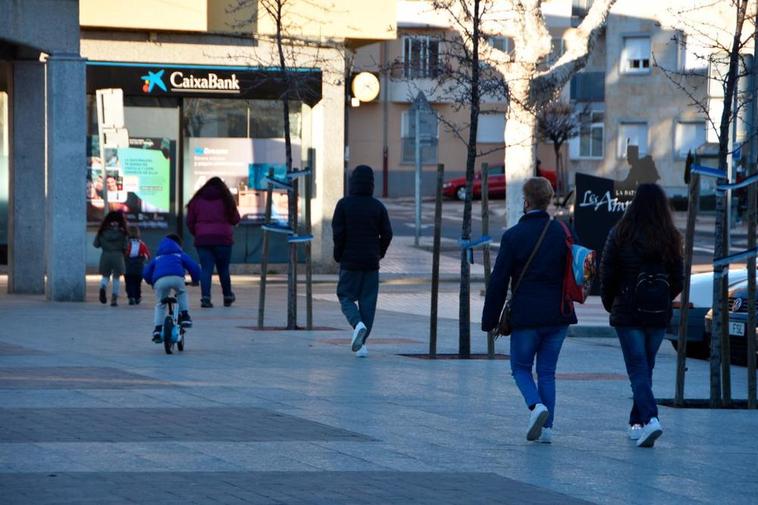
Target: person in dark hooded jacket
{"x":362,"y":233}
{"x":165,"y":273}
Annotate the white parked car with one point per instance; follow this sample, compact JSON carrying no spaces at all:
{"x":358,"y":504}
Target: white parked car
{"x":701,"y":297}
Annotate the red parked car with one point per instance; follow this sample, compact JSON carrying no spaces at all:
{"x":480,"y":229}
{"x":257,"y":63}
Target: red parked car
{"x":456,"y":188}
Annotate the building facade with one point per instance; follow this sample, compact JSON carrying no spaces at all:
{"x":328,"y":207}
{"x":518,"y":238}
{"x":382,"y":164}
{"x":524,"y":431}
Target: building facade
{"x":202,"y":96}
{"x":626,"y":94}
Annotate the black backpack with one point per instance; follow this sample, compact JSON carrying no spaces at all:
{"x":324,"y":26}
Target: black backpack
{"x":652,"y":292}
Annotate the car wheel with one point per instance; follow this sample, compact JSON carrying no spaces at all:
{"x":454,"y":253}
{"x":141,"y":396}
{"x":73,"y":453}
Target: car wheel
{"x":460,"y":193}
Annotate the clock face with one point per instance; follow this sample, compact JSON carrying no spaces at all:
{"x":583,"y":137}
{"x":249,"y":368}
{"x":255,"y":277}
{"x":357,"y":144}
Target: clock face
{"x":365,"y":86}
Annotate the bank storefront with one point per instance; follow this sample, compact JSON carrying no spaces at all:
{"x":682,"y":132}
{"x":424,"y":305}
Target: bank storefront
{"x":185,"y":124}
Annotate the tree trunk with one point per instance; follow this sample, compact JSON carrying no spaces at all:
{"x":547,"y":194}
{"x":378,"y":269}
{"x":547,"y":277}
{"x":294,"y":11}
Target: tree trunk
{"x":464,"y":313}
{"x":292,"y":198}
{"x":720,"y":355}
{"x":559,"y":175}
{"x":520,"y":152}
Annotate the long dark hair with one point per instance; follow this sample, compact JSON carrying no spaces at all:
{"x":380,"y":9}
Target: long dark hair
{"x":648,"y":225}
{"x":113,"y":216}
{"x":217,"y":186}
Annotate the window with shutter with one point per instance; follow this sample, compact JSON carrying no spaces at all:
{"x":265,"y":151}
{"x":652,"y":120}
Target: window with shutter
{"x":635,"y":57}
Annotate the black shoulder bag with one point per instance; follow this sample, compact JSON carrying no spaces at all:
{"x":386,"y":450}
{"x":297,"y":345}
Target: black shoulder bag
{"x":504,"y":326}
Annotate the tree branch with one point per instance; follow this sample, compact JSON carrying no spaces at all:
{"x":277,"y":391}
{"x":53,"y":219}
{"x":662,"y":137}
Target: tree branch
{"x":579,"y":44}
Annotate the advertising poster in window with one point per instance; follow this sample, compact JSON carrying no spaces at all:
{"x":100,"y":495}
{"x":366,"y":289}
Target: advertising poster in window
{"x":136,"y":181}
{"x":242,"y":164}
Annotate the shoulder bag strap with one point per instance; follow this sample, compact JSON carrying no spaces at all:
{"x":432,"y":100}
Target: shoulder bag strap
{"x":514,"y":287}
{"x":567,"y":232}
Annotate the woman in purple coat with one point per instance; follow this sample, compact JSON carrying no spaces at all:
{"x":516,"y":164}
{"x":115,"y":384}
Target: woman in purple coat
{"x":211,"y":217}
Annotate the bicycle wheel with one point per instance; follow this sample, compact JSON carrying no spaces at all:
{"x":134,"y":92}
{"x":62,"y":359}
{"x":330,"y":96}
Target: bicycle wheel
{"x":168,"y":329}
{"x":180,"y":343}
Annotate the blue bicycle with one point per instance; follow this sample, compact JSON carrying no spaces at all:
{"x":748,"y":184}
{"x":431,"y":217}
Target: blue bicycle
{"x":172,"y":332}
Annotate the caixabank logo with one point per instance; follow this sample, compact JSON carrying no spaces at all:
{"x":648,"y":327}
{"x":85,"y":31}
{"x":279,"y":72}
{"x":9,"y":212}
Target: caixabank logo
{"x":188,"y":82}
{"x":153,"y":79}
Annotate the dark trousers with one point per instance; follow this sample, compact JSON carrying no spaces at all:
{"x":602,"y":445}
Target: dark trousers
{"x":357,"y":291}
{"x":133,"y":285}
{"x":220,"y":257}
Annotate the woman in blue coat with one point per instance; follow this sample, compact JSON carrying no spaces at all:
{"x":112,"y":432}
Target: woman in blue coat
{"x":540,"y":318}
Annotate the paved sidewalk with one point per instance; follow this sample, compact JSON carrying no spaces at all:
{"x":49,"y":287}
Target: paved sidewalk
{"x":92,"y":412}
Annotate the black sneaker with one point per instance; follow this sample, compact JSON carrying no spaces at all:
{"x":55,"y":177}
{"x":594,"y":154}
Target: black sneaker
{"x":185,"y":321}
{"x":229,"y":300}
{"x":103,"y":297}
{"x":114,"y":301}
{"x":206,"y":303}
{"x":132,"y":301}
{"x":157,"y":334}
{"x":137,"y":300}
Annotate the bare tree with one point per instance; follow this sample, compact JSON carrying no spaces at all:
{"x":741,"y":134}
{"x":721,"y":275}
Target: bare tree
{"x":558,"y":123}
{"x":533,"y":79}
{"x":526,"y":76}
{"x":293,"y":49}
{"x":721,"y":52}
{"x":531,"y":87}
{"x":464,"y":80}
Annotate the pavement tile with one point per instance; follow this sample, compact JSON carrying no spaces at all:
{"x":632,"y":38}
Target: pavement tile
{"x":278,"y":417}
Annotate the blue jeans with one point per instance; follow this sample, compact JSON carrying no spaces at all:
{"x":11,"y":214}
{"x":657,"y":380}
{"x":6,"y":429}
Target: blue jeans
{"x":220,"y":256}
{"x":545,"y":343}
{"x":640,"y":345}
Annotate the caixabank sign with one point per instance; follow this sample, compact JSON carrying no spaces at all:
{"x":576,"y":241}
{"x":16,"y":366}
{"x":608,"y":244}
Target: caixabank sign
{"x":160,"y":80}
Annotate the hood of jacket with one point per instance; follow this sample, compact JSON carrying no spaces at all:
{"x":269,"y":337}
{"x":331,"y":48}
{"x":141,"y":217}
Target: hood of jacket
{"x":168,"y":246}
{"x":362,"y":181}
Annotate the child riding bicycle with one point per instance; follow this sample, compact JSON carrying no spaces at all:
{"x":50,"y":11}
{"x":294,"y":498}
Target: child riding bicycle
{"x":165,"y":273}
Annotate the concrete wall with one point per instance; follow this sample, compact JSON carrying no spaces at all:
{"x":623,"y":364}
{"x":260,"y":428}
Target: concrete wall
{"x":187,"y":15}
{"x":335,"y":19}
{"x":46,"y":25}
{"x":319,"y":20}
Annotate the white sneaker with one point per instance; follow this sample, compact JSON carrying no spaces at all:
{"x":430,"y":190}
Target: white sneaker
{"x":359,"y":335}
{"x":362,"y":352}
{"x":650,"y":433}
{"x":537,"y":420}
{"x":546,"y":437}
{"x":634,"y":431}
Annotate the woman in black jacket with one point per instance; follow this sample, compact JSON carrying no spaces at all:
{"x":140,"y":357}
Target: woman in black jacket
{"x":641,"y":272}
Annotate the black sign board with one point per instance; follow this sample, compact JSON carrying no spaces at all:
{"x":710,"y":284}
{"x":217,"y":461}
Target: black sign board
{"x":599,"y":206}
{"x":160,"y":80}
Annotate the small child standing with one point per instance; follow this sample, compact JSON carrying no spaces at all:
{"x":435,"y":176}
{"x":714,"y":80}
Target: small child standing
{"x":111,"y":238}
{"x":136,"y":255}
{"x":165,"y":273}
